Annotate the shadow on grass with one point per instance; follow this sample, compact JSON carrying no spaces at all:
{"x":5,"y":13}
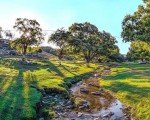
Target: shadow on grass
{"x":17,"y":100}
{"x":16,"y":64}
{"x":123,"y":76}
{"x":12,"y":99}
{"x":54,"y":68}
{"x":67,"y":69}
{"x":133,"y":90}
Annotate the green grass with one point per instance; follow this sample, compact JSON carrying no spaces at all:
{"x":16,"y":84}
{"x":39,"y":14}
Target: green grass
{"x":18,"y":99}
{"x":130,"y":83}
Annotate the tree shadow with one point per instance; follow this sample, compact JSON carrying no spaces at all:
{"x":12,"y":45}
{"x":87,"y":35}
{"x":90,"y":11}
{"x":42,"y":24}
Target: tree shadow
{"x":12,"y":102}
{"x":132,"y":89}
{"x":67,"y":69}
{"x":123,"y":76}
{"x":52,"y":67}
{"x":15,"y":102}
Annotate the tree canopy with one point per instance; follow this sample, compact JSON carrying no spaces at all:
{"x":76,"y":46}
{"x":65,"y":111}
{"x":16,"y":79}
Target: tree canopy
{"x":138,"y":50}
{"x":31,"y":34}
{"x":88,"y":40}
{"x":137,"y":26}
{"x":60,"y":38}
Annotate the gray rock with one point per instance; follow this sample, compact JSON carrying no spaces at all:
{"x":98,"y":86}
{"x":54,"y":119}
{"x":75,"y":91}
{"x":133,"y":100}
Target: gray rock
{"x":59,"y":109}
{"x":85,"y":90}
{"x":98,"y":93}
{"x":108,"y":115}
{"x":80,"y":114}
{"x":70,"y":106}
{"x":69,"y":103}
{"x":85,"y":104}
{"x":41,"y":118}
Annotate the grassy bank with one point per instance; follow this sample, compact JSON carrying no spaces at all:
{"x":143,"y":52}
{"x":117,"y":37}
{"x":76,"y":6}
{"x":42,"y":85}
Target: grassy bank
{"x":18,"y":98}
{"x":130,"y":83}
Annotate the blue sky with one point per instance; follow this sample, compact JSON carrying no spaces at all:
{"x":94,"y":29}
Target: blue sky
{"x":52,"y":14}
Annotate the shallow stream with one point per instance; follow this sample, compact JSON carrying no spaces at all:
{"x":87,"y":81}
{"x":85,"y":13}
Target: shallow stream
{"x":94,"y":103}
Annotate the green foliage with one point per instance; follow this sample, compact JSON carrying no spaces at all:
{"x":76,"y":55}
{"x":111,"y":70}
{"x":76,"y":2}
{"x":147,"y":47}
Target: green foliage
{"x":60,"y":38}
{"x":31,"y":34}
{"x":87,"y":40}
{"x":138,"y":50}
{"x":137,"y":26}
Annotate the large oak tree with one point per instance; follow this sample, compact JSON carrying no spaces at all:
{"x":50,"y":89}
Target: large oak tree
{"x":89,"y":41}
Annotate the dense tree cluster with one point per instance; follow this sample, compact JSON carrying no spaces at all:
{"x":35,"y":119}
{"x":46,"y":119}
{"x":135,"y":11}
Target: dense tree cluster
{"x":84,"y":39}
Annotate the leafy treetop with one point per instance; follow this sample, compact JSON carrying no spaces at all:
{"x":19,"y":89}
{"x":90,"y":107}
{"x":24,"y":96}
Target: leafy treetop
{"x":137,"y":26}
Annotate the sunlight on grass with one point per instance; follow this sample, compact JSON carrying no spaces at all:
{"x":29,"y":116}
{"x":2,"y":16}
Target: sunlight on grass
{"x":18,"y":98}
{"x":130,"y":85}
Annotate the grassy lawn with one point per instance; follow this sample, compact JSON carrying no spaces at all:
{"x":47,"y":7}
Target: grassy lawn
{"x":130,"y":83}
{"x":18,"y":99}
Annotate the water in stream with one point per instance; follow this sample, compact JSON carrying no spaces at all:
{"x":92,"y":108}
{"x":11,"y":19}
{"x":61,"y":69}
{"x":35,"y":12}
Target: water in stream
{"x":93,"y":103}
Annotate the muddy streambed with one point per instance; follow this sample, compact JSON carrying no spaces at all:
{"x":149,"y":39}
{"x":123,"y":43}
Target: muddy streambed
{"x":88,"y":101}
{"x":93,"y":103}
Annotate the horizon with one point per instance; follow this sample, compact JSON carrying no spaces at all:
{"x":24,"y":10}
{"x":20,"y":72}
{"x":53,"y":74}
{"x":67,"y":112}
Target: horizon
{"x":53,"y":15}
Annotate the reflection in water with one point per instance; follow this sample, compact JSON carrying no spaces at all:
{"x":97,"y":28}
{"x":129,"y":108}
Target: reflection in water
{"x":101,"y":104}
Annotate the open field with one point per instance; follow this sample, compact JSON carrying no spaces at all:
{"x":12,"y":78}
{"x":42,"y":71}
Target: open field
{"x":18,"y":98}
{"x":130,"y":83}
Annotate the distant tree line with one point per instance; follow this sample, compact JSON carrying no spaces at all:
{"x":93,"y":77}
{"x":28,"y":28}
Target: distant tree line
{"x":83,"y":40}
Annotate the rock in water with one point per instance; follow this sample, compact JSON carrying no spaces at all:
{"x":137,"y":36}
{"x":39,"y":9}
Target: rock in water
{"x":85,"y":90}
{"x":80,"y":114}
{"x":98,"y":93}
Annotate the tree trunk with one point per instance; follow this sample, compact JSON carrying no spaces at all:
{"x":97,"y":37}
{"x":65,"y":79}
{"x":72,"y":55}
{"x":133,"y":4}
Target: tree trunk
{"x":88,"y":62}
{"x":24,"y":52}
{"x":59,"y":61}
